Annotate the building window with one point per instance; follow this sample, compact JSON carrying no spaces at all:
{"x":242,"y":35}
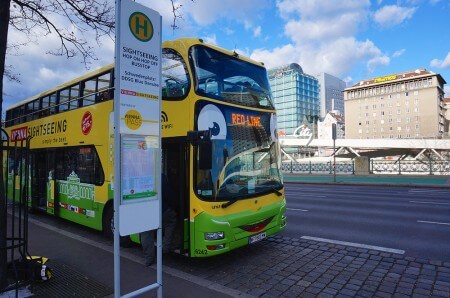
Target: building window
{"x":416,"y":92}
{"x":406,"y":93}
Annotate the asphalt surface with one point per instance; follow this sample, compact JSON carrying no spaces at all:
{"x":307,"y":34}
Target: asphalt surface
{"x":416,"y":220}
{"x":285,"y":265}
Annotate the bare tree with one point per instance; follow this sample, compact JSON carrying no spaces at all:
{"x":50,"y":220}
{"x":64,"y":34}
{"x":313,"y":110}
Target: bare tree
{"x":37,"y":18}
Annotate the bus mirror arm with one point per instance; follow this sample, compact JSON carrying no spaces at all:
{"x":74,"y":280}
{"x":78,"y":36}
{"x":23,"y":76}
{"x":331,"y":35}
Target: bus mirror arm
{"x":202,"y":139}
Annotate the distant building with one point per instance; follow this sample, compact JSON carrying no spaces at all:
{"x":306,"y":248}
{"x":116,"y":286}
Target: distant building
{"x":447,"y":116}
{"x":296,"y":97}
{"x":331,"y":94}
{"x":325,"y":127}
{"x":403,"y":105}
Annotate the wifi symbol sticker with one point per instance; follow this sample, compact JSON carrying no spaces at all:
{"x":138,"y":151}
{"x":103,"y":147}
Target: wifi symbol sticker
{"x":164,"y":117}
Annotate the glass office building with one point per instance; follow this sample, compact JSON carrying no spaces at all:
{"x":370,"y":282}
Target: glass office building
{"x":296,"y":97}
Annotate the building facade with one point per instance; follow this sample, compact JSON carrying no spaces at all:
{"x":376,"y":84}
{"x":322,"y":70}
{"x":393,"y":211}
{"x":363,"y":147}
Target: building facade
{"x":296,"y":97}
{"x":331,"y":94}
{"x":403,"y":105}
{"x":325,"y":130}
{"x":447,"y":117}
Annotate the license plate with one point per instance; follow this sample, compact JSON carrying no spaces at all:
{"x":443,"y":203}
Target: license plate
{"x":256,"y":238}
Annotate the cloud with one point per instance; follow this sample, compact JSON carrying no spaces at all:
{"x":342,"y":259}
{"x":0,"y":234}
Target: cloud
{"x":211,"y":39}
{"x":441,"y":63}
{"x":277,"y":56}
{"x":47,"y":70}
{"x":322,"y":36}
{"x":392,"y":15}
{"x":398,"y":53}
{"x":206,"y":12}
{"x":257,"y":31}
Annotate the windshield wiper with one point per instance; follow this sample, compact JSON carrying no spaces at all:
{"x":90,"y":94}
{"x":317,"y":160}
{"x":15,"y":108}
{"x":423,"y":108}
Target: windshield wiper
{"x":279,"y":193}
{"x":229,"y":203}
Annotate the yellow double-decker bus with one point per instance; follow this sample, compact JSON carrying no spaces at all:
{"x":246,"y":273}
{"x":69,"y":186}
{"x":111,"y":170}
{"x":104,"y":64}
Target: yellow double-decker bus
{"x":220,"y":150}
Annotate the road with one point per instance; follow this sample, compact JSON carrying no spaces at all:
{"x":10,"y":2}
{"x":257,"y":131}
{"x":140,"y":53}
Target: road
{"x":415,"y":220}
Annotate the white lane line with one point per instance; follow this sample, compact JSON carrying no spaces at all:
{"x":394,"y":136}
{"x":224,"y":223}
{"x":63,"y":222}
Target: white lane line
{"x":295,"y":209}
{"x":312,"y":196}
{"x":434,"y":222}
{"x":359,"y":245}
{"x":426,"y":202}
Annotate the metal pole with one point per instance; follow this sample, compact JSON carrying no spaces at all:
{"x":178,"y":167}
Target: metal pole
{"x":334,"y":135}
{"x":3,"y":229}
{"x":334,"y":160}
{"x":117,"y":157}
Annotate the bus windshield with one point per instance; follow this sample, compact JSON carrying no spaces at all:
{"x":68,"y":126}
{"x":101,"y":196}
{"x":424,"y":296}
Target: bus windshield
{"x":227,"y":78}
{"x":245,"y":154}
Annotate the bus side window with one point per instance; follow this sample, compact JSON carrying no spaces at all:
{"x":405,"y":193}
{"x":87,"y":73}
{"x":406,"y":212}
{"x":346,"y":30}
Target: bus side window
{"x":45,"y":107}
{"x":103,"y":85}
{"x":74,"y":96}
{"x":89,"y":89}
{"x":64,"y":96}
{"x":52,"y":103}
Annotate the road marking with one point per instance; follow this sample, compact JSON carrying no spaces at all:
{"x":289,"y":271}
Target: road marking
{"x":313,"y":196}
{"x":359,"y":245}
{"x":434,"y":222}
{"x":294,"y":209}
{"x":432,"y":203}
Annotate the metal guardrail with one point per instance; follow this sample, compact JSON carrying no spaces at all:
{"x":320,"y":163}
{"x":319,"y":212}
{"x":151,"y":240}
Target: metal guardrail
{"x":399,"y":167}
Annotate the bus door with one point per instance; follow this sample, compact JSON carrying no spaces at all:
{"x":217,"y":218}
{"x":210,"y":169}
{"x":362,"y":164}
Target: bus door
{"x":39,"y":178}
{"x":175,"y":166}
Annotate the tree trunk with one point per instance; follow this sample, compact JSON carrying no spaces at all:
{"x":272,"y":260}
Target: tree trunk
{"x":4,"y":23}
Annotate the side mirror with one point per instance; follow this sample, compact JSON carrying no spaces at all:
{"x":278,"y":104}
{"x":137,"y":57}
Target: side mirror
{"x":202,"y":139}
{"x":205,"y":155}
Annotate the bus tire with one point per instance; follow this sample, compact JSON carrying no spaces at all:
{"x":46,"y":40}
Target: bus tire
{"x":108,"y":227}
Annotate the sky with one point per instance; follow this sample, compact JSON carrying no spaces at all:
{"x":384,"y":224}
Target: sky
{"x":353,"y":40}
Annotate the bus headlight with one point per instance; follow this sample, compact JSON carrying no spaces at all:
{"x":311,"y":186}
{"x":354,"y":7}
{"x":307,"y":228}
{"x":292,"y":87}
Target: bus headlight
{"x":214,"y":236}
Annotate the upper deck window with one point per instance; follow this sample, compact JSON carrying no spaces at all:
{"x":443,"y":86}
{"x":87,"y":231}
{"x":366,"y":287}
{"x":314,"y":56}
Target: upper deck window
{"x":175,"y":77}
{"x":230,"y":79}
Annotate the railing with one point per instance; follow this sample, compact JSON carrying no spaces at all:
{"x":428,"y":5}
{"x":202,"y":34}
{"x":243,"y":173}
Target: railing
{"x":399,"y":167}
{"x":318,"y":167}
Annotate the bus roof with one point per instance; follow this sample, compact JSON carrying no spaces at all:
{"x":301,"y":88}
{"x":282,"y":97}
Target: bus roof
{"x":185,"y":43}
{"x":63,"y":85}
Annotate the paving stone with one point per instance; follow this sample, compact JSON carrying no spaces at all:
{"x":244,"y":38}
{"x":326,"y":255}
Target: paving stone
{"x":347,"y":292}
{"x":303,"y":283}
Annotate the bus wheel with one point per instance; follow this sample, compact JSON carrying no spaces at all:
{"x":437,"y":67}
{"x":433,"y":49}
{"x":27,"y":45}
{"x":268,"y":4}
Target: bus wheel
{"x":108,"y":227}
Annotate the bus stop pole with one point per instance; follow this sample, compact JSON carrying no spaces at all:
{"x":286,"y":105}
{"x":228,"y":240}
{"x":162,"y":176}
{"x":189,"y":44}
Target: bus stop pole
{"x":117,"y":157}
{"x":334,"y":134}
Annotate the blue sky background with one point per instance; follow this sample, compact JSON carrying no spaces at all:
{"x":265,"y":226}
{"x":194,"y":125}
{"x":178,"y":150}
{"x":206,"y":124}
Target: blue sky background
{"x":352,"y":39}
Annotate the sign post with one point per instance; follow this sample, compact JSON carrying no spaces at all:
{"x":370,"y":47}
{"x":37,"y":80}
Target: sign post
{"x":334,"y":134}
{"x":137,"y":130}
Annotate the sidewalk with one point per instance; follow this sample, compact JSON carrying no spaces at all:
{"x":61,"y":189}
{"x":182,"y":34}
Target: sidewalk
{"x":84,"y":267}
{"x":274,"y":267}
{"x":393,"y":180}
